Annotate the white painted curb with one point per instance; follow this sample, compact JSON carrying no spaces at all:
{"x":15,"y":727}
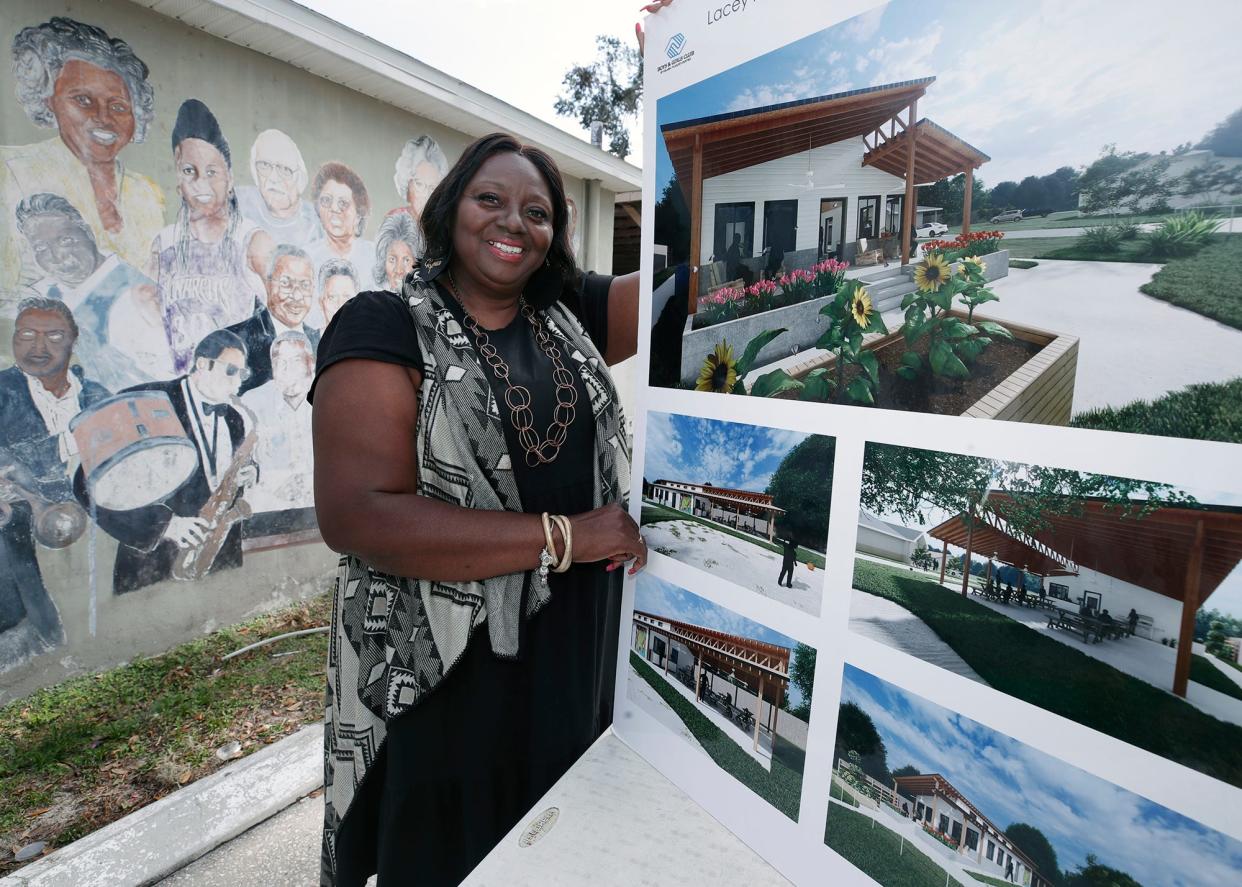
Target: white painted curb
{"x":169,"y":834}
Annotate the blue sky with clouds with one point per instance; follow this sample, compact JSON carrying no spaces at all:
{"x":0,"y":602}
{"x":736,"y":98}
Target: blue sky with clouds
{"x":1035,"y":85}
{"x":723,"y":454}
{"x":1011,"y":782}
{"x":660,"y":598}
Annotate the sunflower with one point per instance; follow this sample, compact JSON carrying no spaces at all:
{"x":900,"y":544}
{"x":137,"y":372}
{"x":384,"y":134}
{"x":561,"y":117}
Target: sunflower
{"x":972,"y":264}
{"x":931,"y":273}
{"x":860,"y":307}
{"x":719,"y":371}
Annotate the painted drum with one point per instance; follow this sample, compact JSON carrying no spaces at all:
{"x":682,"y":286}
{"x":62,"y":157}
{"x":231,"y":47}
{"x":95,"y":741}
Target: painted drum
{"x":134,"y":449}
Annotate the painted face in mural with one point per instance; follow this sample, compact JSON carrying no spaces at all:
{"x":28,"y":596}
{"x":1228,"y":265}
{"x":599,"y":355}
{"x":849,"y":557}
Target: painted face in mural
{"x":425,"y":179}
{"x":338,"y":290}
{"x":277,"y":169}
{"x":62,"y":249}
{"x":290,"y":289}
{"x":218,"y":380}
{"x":42,"y":343}
{"x":337,"y":211}
{"x":293,"y":366}
{"x":504,"y":221}
{"x":397,"y":263}
{"x":93,"y":111}
{"x":203,"y":178}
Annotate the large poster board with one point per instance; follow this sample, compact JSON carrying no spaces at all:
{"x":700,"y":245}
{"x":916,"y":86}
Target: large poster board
{"x":938,"y":438}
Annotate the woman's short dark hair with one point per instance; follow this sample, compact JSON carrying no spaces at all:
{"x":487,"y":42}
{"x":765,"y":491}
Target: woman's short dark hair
{"x":440,"y":214}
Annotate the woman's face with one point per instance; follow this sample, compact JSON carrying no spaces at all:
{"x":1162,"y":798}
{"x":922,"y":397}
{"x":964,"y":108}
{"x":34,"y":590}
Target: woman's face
{"x":203,"y":178}
{"x":397,"y":263}
{"x":424,"y":181}
{"x":504,"y":222}
{"x":337,"y":211}
{"x":93,"y":111}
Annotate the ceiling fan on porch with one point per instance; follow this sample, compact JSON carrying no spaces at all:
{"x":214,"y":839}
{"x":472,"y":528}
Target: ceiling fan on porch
{"x":808,"y":183}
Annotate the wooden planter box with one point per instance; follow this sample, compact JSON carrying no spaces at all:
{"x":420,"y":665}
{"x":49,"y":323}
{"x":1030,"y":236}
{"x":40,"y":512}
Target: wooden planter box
{"x":1040,"y":391}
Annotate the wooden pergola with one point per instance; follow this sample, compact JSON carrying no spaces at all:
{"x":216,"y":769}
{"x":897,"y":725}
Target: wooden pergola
{"x":883,"y":116}
{"x":763,"y":669}
{"x":1182,"y":552}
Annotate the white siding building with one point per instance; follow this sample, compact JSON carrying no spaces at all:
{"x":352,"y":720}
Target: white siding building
{"x":888,"y":540}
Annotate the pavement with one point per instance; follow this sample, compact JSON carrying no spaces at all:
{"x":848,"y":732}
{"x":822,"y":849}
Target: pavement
{"x":894,"y":626}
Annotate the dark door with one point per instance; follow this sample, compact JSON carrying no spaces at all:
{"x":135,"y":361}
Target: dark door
{"x":832,"y":228}
{"x":780,"y":224}
{"x":869,"y":216}
{"x":734,"y":219}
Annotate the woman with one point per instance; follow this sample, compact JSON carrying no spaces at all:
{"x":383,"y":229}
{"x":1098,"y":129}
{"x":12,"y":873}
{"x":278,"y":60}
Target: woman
{"x":418,"y":170}
{"x":397,"y":247}
{"x":343,"y":204}
{"x":433,"y":474}
{"x":209,"y":266}
{"x":94,"y":92}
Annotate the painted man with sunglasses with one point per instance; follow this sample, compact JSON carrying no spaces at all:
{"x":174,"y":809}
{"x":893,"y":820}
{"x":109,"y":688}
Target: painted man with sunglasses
{"x":290,"y":293}
{"x":202,"y":400}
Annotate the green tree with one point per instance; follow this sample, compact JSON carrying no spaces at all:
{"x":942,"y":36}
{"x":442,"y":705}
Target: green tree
{"x":949,"y":194}
{"x":856,"y":732}
{"x":802,"y":485}
{"x":1216,"y":639}
{"x":1125,"y":180}
{"x":802,"y":676}
{"x":672,"y":222}
{"x":610,"y":90}
{"x":1094,"y":873}
{"x":1036,"y":845}
{"x":1225,"y":139}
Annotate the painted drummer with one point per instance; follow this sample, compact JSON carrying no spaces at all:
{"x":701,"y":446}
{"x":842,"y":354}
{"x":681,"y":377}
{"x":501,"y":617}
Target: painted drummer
{"x":152,"y":534}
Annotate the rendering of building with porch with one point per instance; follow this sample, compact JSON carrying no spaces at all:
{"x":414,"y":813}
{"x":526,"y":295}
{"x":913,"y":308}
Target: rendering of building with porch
{"x":946,"y":812}
{"x":744,"y":678}
{"x":885,"y":539}
{"x":740,"y":509}
{"x":821,"y":177}
{"x":1163,"y":563}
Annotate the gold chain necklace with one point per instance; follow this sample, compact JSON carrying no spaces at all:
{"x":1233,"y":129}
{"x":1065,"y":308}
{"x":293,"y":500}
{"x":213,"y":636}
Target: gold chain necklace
{"x":517,"y":397}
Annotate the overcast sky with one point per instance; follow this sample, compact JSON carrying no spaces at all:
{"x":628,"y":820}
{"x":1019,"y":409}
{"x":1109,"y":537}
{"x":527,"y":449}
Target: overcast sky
{"x":707,"y":451}
{"x":1011,"y":782}
{"x":515,"y":51}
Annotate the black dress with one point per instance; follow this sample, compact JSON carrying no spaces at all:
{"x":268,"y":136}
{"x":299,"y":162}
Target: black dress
{"x":460,"y":769}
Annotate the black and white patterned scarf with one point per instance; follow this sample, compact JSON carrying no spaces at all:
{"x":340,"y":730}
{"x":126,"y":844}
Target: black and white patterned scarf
{"x":394,"y":639}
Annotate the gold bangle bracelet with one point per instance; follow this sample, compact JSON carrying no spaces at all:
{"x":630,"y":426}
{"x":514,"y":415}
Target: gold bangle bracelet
{"x":548,"y":538}
{"x":567,"y":532}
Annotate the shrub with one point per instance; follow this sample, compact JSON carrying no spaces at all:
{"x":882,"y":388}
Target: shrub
{"x":1181,"y":235}
{"x":1101,"y":238}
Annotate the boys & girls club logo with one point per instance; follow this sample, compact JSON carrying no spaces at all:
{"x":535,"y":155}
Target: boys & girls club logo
{"x":675,"y":50}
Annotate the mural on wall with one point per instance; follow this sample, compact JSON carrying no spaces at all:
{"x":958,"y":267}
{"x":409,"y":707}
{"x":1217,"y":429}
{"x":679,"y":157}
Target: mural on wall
{"x":164,"y":338}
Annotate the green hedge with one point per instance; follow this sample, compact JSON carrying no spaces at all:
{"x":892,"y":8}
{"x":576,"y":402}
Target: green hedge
{"x":782,"y":787}
{"x":1210,"y":411}
{"x":1207,"y":283}
{"x":1054,"y":676}
{"x":1205,"y":673}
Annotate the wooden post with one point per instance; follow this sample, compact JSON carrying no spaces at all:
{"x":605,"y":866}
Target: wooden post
{"x":668,"y":648}
{"x":970,"y":185}
{"x":698,"y":679}
{"x":696,"y":221}
{"x":944,"y":559}
{"x":970,"y":541}
{"x":758,"y":712}
{"x":1190,"y":607}
{"x":907,"y":208}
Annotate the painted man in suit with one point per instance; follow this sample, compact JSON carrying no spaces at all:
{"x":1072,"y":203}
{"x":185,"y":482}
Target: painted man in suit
{"x":290,"y":290}
{"x":152,"y":535}
{"x":38,"y":397}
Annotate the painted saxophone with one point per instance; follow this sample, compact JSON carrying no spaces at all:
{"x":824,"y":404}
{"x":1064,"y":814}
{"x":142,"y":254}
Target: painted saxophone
{"x":221,"y":511}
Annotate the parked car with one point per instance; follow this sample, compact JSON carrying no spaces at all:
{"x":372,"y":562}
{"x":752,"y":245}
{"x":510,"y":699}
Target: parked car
{"x":1009,"y":215}
{"x":1041,"y":212}
{"x":932,"y":229}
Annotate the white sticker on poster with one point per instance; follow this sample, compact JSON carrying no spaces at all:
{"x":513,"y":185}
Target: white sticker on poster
{"x":938,"y":439}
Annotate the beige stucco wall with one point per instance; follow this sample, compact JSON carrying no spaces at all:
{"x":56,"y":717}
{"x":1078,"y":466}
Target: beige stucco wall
{"x":248,"y":93}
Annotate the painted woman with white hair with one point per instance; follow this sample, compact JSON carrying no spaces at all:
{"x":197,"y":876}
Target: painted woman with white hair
{"x":94,"y":92}
{"x":274,"y":202}
{"x":419,"y":169}
{"x":397,"y":247}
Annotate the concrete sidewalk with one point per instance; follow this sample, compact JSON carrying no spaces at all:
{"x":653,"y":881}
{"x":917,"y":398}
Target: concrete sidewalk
{"x":164,"y":837}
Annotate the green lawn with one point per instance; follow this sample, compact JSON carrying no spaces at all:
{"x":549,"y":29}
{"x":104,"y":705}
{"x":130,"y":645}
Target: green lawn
{"x":988,"y":880}
{"x":1023,"y":264}
{"x":1203,"y":672}
{"x":841,"y":794}
{"x":782,"y":787}
{"x":1070,"y":248}
{"x":1066,"y":219}
{"x":1208,"y":283}
{"x":1054,"y":676}
{"x":653,"y":514}
{"x":1209,"y":411}
{"x":879,"y":851}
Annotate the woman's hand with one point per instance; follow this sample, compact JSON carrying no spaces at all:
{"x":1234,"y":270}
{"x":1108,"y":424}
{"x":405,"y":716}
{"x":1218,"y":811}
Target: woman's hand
{"x":610,"y":534}
{"x":653,"y":7}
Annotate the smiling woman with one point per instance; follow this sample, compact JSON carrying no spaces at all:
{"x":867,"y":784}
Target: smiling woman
{"x":470,"y":458}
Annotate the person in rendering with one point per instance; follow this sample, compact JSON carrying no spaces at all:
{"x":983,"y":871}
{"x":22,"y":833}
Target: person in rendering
{"x":290,"y":290}
{"x":1108,"y":625}
{"x":93,"y":90}
{"x":789,"y":556}
{"x":151,"y":535}
{"x":493,"y":669}
{"x":1132,"y":622}
{"x":733,"y":263}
